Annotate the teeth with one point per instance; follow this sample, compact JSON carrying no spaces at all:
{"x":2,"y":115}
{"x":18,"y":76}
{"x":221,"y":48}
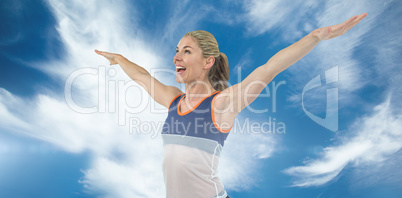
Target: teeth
{"x":179,"y":67}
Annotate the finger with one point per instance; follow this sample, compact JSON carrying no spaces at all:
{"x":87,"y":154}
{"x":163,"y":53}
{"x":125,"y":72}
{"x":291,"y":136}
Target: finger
{"x":101,"y":53}
{"x":359,"y":18}
{"x":350,"y":26}
{"x":344,"y":25}
{"x":355,"y":22}
{"x":349,"y":21}
{"x":362,"y":16}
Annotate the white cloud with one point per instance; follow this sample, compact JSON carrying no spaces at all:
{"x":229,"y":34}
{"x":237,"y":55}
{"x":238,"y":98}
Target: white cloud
{"x":263,"y":16}
{"x":83,"y":27}
{"x":294,"y":22}
{"x":185,"y":18}
{"x":9,"y":120}
{"x":387,"y":171}
{"x":244,"y":62}
{"x":123,"y":164}
{"x":377,"y":137}
{"x":372,"y":139}
{"x":13,"y":15}
{"x":240,"y":162}
{"x":115,"y":179}
{"x":129,"y":165}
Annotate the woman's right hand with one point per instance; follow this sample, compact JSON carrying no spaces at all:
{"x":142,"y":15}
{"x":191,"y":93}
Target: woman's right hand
{"x":110,"y":56}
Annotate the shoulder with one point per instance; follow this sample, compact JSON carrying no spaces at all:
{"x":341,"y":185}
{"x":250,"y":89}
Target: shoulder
{"x":175,"y":99}
{"x":222,"y":113}
{"x":221,"y":101}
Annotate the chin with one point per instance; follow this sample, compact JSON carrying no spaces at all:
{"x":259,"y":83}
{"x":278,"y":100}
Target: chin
{"x":178,"y":80}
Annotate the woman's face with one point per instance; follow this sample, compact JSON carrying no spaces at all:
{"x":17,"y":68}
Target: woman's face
{"x":189,"y":61}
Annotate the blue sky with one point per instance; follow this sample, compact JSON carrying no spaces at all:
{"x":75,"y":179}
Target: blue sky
{"x":66,"y":127}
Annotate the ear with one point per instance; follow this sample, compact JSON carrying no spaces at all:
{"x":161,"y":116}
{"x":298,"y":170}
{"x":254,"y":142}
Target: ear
{"x":209,"y":62}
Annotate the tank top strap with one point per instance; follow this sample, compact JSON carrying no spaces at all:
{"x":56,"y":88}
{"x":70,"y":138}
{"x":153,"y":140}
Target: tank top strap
{"x":175,"y":101}
{"x":203,"y":106}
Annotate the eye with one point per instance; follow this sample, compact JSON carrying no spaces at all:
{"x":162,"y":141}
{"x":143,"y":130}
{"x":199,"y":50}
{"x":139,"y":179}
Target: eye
{"x":187,"y":51}
{"x":177,"y":51}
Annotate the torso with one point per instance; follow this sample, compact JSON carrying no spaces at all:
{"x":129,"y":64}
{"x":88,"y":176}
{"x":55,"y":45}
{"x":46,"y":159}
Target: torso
{"x":184,"y":107}
{"x":227,"y":117}
{"x":192,"y":146}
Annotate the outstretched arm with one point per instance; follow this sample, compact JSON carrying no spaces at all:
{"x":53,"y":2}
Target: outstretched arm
{"x":239,"y":96}
{"x":161,"y":93}
{"x":290,"y":55}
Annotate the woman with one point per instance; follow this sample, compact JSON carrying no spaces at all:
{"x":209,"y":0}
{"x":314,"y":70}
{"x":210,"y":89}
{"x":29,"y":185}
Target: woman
{"x":199,"y":119}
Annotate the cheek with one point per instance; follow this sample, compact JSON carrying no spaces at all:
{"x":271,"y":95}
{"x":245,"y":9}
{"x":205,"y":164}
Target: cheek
{"x":194,"y":65}
{"x":197,"y":64}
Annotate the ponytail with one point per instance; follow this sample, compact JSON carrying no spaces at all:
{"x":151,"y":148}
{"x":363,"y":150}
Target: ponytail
{"x":218,"y":74}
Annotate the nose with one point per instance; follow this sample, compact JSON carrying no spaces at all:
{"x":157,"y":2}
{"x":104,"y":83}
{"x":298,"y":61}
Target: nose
{"x":176,"y":57}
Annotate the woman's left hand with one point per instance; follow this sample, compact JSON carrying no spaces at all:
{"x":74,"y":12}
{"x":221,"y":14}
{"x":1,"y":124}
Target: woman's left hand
{"x":110,"y":56}
{"x":333,"y":31}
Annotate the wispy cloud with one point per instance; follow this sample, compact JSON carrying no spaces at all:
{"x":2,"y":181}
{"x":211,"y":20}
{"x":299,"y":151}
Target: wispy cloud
{"x":244,"y":62}
{"x":377,"y":136}
{"x":185,"y":18}
{"x":373,"y":137}
{"x":83,"y":27}
{"x":387,"y":172}
{"x":263,"y":17}
{"x":13,"y":16}
{"x":250,"y":146}
{"x":123,"y":164}
{"x":129,"y":165}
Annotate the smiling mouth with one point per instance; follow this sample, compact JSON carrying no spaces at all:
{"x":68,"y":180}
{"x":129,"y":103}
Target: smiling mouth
{"x":180,"y":69}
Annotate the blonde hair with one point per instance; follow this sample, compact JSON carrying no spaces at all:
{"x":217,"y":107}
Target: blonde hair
{"x":218,"y":74}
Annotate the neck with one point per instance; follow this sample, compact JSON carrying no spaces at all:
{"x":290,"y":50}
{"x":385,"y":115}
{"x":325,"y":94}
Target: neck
{"x":195,"y":91}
